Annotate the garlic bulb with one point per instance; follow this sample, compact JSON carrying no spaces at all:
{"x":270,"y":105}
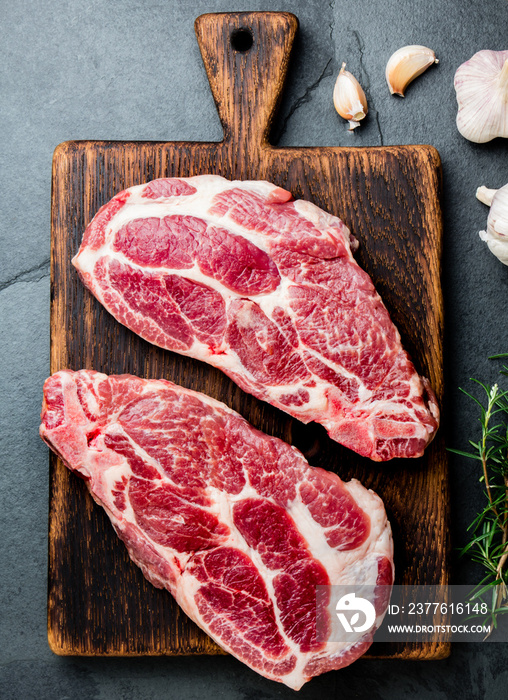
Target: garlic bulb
{"x":405,"y":65}
{"x":481,"y":85}
{"x":496,"y":235}
{"x":349,"y":98}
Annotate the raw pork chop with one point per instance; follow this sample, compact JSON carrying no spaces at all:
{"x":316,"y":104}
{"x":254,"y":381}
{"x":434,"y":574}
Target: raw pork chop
{"x":234,"y":523}
{"x":265,"y":288}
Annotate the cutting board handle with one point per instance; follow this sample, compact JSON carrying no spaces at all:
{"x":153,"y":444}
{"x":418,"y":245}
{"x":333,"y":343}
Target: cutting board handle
{"x":246,"y":56}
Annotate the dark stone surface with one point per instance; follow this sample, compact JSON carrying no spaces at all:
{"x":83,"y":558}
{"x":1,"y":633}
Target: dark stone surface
{"x":124,"y":70}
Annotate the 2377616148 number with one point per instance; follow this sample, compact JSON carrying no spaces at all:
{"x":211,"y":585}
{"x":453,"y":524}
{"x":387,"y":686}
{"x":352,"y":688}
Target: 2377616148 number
{"x":447,"y":608}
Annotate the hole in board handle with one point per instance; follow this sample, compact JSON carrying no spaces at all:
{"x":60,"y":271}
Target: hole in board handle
{"x":242,"y":39}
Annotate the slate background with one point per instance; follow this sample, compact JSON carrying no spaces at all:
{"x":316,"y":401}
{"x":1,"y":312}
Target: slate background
{"x":111,"y":69}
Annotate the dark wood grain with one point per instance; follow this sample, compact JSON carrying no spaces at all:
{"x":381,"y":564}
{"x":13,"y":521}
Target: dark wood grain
{"x":99,"y":602}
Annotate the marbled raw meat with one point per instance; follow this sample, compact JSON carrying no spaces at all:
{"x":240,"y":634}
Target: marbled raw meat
{"x":265,"y":288}
{"x":233,"y":522}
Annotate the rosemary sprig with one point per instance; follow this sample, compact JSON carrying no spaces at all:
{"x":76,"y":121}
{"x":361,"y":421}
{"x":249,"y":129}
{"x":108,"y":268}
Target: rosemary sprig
{"x":488,"y":545}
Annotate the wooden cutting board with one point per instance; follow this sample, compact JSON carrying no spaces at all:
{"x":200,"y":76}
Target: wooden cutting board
{"x":99,"y":602}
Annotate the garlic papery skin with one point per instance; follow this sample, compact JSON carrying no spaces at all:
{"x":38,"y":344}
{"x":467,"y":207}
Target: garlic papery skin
{"x":405,"y":65}
{"x":349,"y":98}
{"x":481,"y":85}
{"x":496,"y":235}
{"x":485,"y":195}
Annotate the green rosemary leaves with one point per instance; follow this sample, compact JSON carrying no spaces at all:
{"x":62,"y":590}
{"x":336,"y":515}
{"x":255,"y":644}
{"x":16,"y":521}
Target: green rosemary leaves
{"x":488,"y":545}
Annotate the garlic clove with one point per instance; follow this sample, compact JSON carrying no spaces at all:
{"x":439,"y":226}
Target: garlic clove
{"x":481,"y":85}
{"x":485,"y":195}
{"x":496,"y":235}
{"x":405,"y":65}
{"x":349,"y":98}
{"x":496,"y":247}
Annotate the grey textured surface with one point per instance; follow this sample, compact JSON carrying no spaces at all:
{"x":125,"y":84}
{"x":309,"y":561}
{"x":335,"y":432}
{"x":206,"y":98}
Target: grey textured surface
{"x":125,"y":70}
